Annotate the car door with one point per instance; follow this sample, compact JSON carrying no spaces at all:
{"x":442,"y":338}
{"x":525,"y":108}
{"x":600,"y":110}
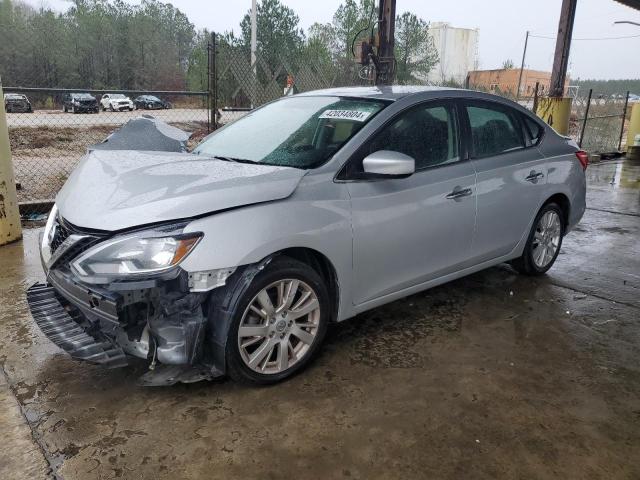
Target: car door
{"x":511,"y":174}
{"x":407,"y":231}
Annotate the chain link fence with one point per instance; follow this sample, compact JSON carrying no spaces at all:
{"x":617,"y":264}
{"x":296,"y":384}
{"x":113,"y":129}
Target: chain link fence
{"x":238,"y":84}
{"x":598,"y":122}
{"x":50,"y":136}
{"x":51,"y":132}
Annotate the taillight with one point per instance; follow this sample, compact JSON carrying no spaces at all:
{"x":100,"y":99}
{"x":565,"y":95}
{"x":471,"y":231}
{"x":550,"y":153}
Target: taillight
{"x":583,"y":157}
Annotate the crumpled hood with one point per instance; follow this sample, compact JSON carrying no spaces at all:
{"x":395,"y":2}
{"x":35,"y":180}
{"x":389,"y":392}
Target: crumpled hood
{"x":113,"y":190}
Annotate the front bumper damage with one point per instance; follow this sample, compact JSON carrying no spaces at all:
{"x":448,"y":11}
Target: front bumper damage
{"x":160,"y":321}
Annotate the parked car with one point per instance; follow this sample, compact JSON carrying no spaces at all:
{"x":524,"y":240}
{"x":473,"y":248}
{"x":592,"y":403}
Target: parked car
{"x":15,"y":102}
{"x":149,"y":102}
{"x":116,"y":102}
{"x":236,"y":257}
{"x":79,"y":102}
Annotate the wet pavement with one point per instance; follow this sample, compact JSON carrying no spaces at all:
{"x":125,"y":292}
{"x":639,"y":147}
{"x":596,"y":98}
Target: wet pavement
{"x":492,"y":376}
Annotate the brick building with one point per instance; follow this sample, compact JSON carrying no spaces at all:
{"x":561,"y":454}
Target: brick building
{"x":506,"y":81}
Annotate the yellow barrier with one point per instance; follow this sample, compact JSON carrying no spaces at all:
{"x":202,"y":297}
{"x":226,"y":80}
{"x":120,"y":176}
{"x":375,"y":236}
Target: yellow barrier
{"x":556,"y":112}
{"x":10,"y":228}
{"x":634,"y":124}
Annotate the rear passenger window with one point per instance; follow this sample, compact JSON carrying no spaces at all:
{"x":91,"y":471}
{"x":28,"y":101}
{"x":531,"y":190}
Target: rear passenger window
{"x":533,"y":128}
{"x":493,"y":131}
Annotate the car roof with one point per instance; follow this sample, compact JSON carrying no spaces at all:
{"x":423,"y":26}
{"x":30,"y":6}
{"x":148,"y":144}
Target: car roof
{"x":386,"y":92}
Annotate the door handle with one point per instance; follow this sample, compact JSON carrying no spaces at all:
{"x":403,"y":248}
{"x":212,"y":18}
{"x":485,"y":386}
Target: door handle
{"x":534,"y":176}
{"x":459,"y":193}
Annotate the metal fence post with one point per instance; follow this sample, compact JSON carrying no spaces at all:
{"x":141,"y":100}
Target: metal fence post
{"x":208,"y":99}
{"x":10,"y":228}
{"x":624,"y":119}
{"x":586,"y":116}
{"x":535,"y":98}
{"x":213,"y":84}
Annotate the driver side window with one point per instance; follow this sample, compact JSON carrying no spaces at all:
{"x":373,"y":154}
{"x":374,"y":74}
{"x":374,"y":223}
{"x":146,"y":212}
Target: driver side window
{"x":427,"y":133}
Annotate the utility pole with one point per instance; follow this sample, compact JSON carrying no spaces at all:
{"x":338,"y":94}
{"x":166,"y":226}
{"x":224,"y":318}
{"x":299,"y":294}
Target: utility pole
{"x":386,"y":63}
{"x":556,"y":108}
{"x":524,"y":54}
{"x":563,"y":46}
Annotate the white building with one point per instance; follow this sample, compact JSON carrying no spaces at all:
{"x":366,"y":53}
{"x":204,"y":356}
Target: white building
{"x":458,"y":52}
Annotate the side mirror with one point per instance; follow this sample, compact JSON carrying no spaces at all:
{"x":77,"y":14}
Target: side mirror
{"x":389,"y":163}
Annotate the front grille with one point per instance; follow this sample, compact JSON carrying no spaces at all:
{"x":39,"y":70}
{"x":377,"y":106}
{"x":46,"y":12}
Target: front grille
{"x":62,"y":231}
{"x":60,"y":234}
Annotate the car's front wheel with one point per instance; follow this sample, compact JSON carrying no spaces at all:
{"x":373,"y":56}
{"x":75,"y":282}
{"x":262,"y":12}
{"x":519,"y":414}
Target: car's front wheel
{"x":279,"y":323}
{"x":544,"y":242}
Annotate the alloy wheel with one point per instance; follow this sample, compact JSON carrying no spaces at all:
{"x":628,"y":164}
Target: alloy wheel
{"x":279,"y":326}
{"x":546,"y":239}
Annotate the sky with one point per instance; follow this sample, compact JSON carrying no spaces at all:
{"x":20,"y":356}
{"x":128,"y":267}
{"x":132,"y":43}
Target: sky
{"x":502,"y":25}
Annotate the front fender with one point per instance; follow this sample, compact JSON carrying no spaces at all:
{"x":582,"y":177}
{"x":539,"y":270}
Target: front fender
{"x":247,"y":235}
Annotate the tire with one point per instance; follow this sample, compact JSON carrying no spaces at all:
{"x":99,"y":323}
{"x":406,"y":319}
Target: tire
{"x":237,"y":357}
{"x":64,"y":108}
{"x":530,"y":263}
{"x":104,"y":109}
{"x":131,"y":109}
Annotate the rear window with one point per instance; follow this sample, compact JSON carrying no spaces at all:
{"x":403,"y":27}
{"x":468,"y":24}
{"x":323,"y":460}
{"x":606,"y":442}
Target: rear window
{"x":533,"y":129}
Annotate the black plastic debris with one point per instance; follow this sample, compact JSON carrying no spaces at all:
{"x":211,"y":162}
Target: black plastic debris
{"x":146,"y":133}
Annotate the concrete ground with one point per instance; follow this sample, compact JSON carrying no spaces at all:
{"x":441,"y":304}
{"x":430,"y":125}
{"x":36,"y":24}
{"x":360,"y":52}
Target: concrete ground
{"x":493,"y":376}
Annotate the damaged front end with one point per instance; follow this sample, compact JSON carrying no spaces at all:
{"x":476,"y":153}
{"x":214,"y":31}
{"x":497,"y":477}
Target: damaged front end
{"x":109,"y":298}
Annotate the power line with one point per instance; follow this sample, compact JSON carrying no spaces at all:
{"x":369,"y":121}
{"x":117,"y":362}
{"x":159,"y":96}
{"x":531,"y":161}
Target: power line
{"x":587,"y":39}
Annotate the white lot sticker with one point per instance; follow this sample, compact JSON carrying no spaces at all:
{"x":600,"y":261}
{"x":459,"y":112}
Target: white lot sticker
{"x":346,"y":115}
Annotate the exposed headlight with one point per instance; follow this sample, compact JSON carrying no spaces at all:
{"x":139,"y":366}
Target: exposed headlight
{"x":47,"y":236}
{"x":145,"y":253}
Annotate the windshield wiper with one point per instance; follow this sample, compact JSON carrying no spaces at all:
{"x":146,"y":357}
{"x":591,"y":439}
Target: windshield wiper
{"x":232,"y":159}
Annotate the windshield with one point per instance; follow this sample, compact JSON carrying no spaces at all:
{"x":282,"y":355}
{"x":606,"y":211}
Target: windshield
{"x":117,"y":96}
{"x":84,"y":96}
{"x":301,"y":132}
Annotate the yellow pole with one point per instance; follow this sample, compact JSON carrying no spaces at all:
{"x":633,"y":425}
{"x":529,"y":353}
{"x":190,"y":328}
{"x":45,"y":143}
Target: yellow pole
{"x":556,"y":112}
{"x":634,"y":125}
{"x":10,"y":228}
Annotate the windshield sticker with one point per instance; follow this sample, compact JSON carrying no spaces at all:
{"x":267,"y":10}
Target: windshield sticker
{"x":354,"y":115}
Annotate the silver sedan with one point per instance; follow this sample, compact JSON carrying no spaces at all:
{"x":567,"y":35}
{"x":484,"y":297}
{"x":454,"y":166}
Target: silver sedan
{"x":234,"y":259}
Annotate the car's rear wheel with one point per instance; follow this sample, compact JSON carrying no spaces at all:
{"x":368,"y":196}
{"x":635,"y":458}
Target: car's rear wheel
{"x":544,"y":242}
{"x":279,"y":323}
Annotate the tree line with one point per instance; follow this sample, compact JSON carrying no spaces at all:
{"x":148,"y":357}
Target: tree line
{"x":111,"y":44}
{"x":608,"y":87}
